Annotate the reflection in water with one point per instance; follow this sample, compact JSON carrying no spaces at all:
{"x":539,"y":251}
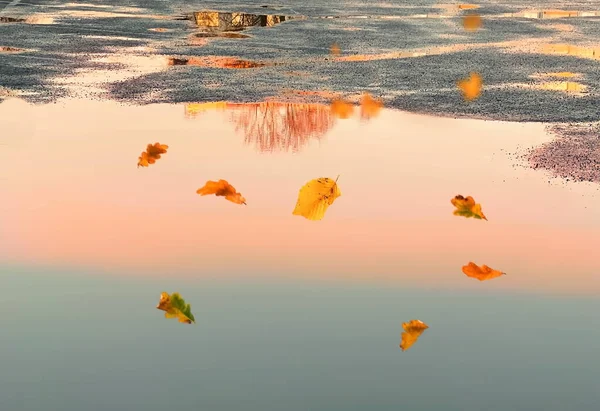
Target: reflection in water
{"x":567,"y":86}
{"x":274,"y":126}
{"x":214,"y":61}
{"x":218,"y":21}
{"x":271,"y":125}
{"x":551,"y":14}
{"x":571,"y":50}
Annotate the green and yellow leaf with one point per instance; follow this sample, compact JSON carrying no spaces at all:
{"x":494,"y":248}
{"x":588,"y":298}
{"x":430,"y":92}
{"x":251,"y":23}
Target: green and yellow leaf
{"x":466,"y":207}
{"x":175,"y":307}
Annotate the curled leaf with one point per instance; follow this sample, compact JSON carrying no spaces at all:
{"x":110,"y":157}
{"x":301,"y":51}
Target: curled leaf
{"x":152,"y":153}
{"x":315,"y":196}
{"x":466,"y":207}
{"x":342,"y":109}
{"x":369,"y":107}
{"x":222,"y":188}
{"x":471,"y":86}
{"x":472,"y":22}
{"x":175,"y":307}
{"x":412,"y":331}
{"x":481,"y":273}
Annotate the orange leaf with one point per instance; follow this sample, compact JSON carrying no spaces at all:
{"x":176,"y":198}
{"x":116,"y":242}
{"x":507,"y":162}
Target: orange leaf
{"x":412,"y":331}
{"x":341,"y":108}
{"x":222,"y":188}
{"x":369,"y":107}
{"x":472,"y":22}
{"x":471,"y":86}
{"x":335,"y":49}
{"x":152,"y":153}
{"x":481,"y":273}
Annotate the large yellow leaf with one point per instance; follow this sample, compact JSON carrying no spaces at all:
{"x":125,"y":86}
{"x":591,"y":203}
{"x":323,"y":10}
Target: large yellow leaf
{"x":412,"y":331}
{"x":315,"y":196}
{"x":176,"y":307}
{"x":481,"y":273}
{"x":466,"y":207}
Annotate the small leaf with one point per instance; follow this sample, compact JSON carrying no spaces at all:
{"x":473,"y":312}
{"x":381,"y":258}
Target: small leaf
{"x":471,"y":86}
{"x":152,"y":154}
{"x":176,"y":307}
{"x":412,"y":331}
{"x":342,"y":109}
{"x":472,"y":22}
{"x":335,"y":49}
{"x":222,"y":188}
{"x":315,"y":197}
{"x":466,"y":207}
{"x":369,"y":107}
{"x":481,"y":273}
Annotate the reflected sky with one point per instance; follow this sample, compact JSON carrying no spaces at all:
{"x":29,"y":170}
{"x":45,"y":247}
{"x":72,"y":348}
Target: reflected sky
{"x":69,"y":174}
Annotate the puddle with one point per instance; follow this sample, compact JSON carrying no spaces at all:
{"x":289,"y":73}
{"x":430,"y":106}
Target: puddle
{"x":592,"y":53}
{"x":219,"y":21}
{"x":566,"y":86}
{"x":28,"y":20}
{"x":11,"y":20}
{"x":6,"y":49}
{"x":551,"y":14}
{"x":225,"y":34}
{"x":272,"y":126}
{"x":215,"y":62}
{"x":562,"y":74}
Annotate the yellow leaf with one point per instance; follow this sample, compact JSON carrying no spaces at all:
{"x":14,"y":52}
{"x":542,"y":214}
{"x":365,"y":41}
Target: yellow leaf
{"x":412,"y":331}
{"x":472,"y":22}
{"x":471,"y":86}
{"x":342,"y":109}
{"x":175,"y":307}
{"x":335,"y":49}
{"x":466,"y":207}
{"x":481,"y":273}
{"x":222,"y":188}
{"x":369,"y":107}
{"x":315,"y":196}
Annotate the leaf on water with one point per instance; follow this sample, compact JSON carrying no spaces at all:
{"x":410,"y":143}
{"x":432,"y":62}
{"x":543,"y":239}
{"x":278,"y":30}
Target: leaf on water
{"x":471,"y":86}
{"x":466,"y":207}
{"x":472,"y":22}
{"x":369,"y":107}
{"x":175,"y":307}
{"x":412,"y":331}
{"x":342,"y":109}
{"x":152,"y":153}
{"x":335,"y":49}
{"x":315,"y":196}
{"x":222,"y":188}
{"x":481,"y":273}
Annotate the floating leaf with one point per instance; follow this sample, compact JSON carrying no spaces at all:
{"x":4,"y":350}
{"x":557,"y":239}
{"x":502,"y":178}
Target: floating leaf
{"x":481,"y":273}
{"x":471,"y":86}
{"x":472,"y":22}
{"x":466,"y":207}
{"x":335,"y":49}
{"x":369,"y":107}
{"x":342,"y":109}
{"x":152,"y":153}
{"x":222,"y":188}
{"x":412,"y":331}
{"x":315,"y":196}
{"x":175,"y":307}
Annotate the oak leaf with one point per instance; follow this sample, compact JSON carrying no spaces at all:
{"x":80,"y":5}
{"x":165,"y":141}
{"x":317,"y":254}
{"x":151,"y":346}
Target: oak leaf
{"x":471,"y":22}
{"x":315,"y":197}
{"x":335,"y":49}
{"x":152,"y":153}
{"x":466,"y":207}
{"x":412,"y":331}
{"x":342,"y":109}
{"x":222,"y":188}
{"x":175,"y":307}
{"x":481,"y":273}
{"x":471,"y":86}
